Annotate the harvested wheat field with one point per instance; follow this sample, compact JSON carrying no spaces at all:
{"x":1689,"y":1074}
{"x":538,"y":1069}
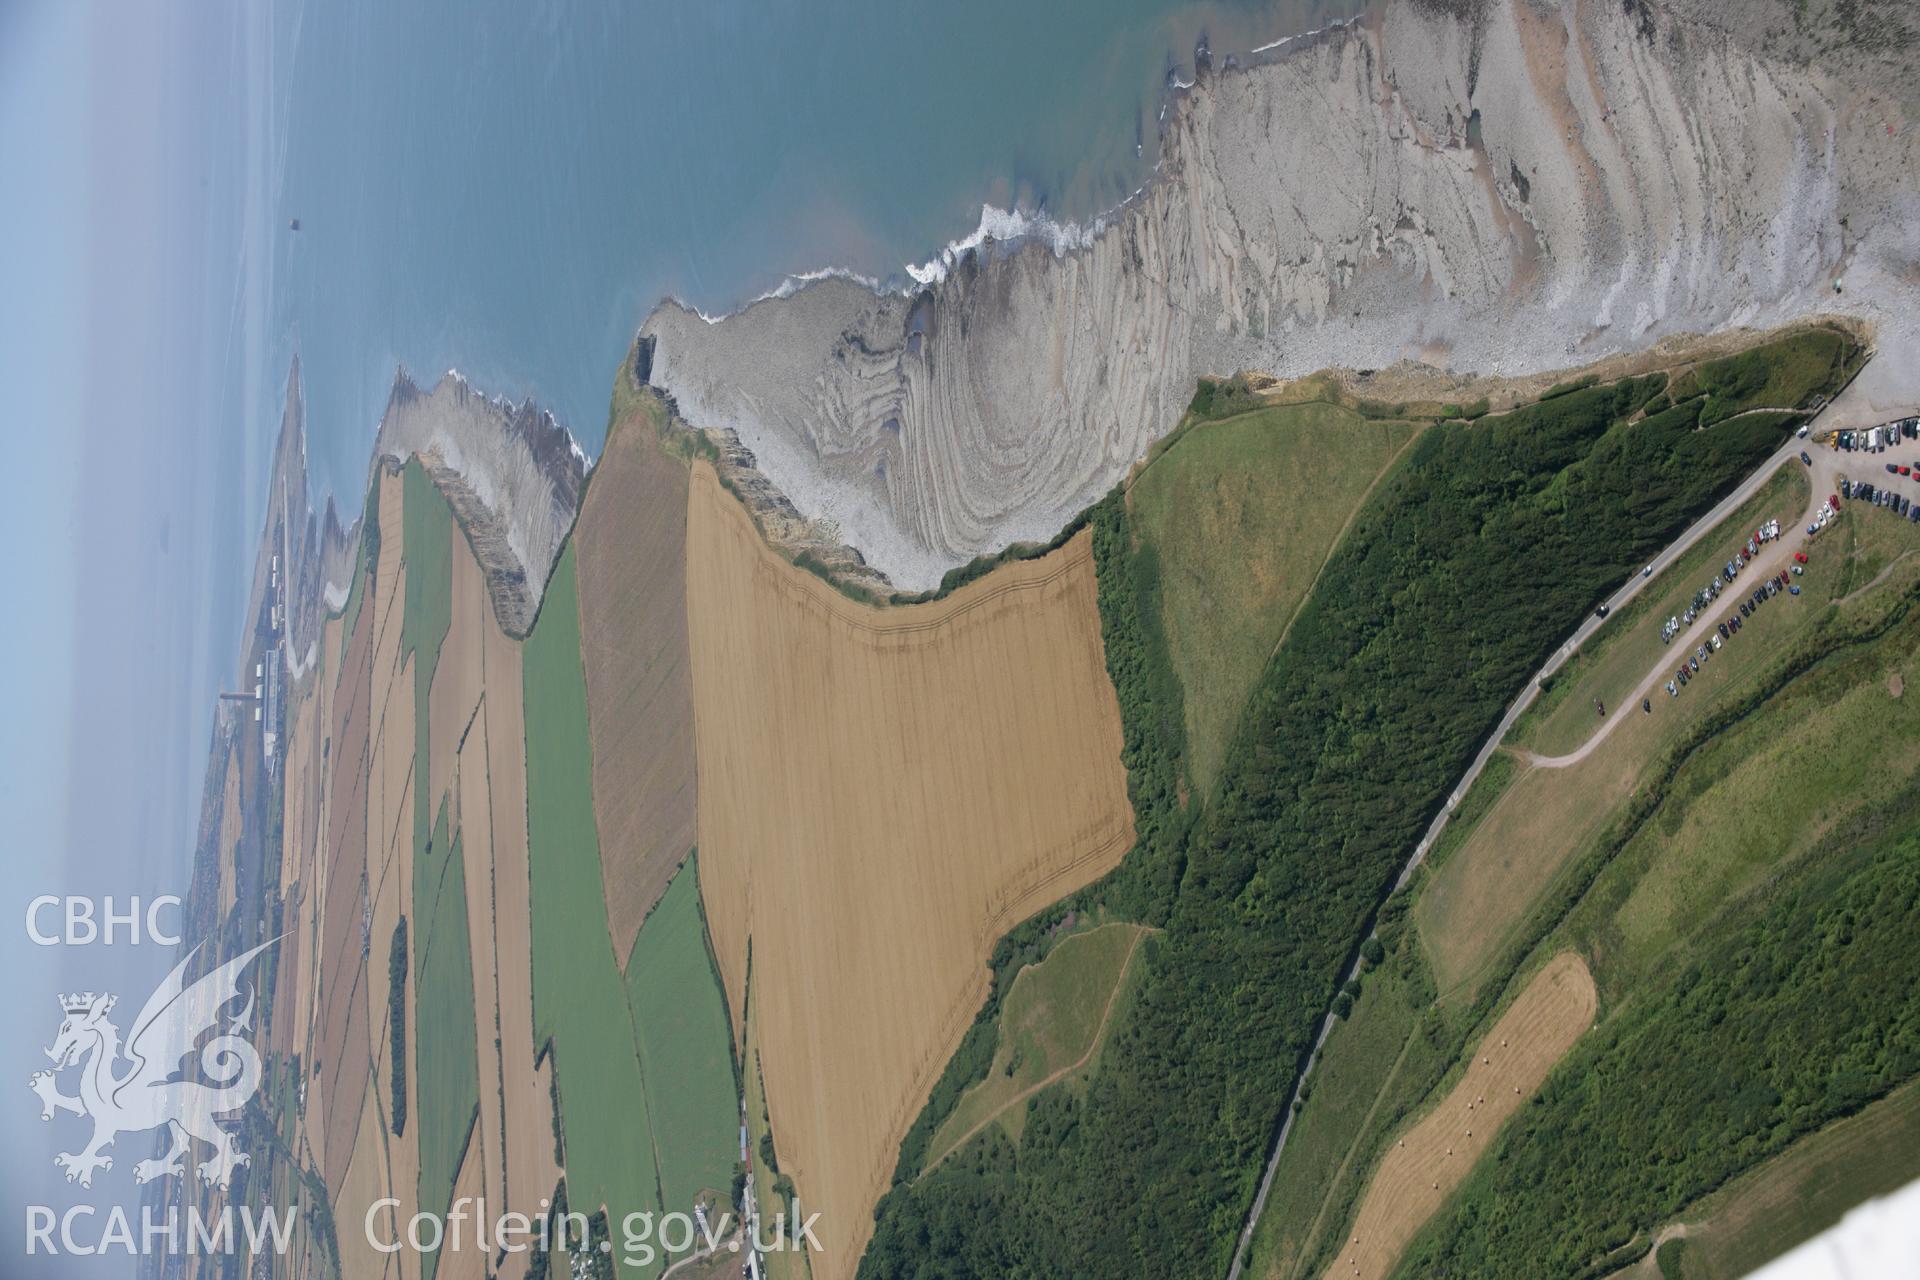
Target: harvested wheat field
{"x":631,"y":541}
{"x":883,"y":793}
{"x":524,"y":1098}
{"x":1425,"y":1165}
{"x":340,"y":1007}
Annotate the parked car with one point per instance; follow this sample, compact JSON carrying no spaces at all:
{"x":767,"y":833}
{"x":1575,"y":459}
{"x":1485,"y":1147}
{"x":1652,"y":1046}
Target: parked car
{"x":1795,"y":589}
{"x":1673,"y":690}
{"x":1799,"y":557}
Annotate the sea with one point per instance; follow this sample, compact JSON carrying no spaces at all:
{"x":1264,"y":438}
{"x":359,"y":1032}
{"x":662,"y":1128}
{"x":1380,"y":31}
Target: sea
{"x":507,"y":188}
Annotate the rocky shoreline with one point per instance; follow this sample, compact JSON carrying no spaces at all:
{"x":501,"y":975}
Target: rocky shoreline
{"x":1488,"y":188}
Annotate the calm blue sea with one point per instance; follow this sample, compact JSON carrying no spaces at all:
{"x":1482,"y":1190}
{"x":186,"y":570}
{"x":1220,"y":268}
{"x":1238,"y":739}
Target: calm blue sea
{"x":508,"y":188}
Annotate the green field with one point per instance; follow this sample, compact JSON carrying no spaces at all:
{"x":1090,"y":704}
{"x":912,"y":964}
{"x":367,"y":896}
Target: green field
{"x":1746,"y":906}
{"x":446,"y":1054}
{"x":1804,"y":1190}
{"x":1377,"y":1066}
{"x":1242,"y":513}
{"x":579,"y":999}
{"x":1476,"y":903}
{"x":1055,"y":1015}
{"x":1615,"y":658}
{"x":425,"y":618}
{"x":684,"y":1047}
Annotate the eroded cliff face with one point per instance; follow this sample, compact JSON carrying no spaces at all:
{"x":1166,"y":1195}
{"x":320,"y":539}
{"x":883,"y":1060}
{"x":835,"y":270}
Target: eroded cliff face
{"x":1497,"y":187}
{"x":512,"y":474}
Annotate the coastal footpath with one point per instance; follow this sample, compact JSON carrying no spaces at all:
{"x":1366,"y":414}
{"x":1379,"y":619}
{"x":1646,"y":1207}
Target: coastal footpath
{"x":1486,"y":187}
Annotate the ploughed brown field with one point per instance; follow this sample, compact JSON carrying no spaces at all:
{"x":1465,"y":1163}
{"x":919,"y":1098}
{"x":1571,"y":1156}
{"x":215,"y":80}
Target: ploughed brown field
{"x":1426,"y":1163}
{"x":883,"y":793}
{"x":631,"y":542}
{"x":349,"y":861}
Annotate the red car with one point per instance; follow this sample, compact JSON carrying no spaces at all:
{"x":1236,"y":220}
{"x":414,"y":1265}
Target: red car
{"x":1799,"y":557}
{"x":1833,"y":501}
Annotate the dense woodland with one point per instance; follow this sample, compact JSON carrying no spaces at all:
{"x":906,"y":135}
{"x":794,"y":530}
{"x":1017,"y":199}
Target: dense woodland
{"x":1451,"y":588}
{"x":1800,"y":1016}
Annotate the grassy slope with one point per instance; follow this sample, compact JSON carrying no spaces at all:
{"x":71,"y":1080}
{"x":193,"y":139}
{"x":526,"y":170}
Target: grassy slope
{"x":1476,"y":901}
{"x":1243,"y":512}
{"x":1054,"y":1011}
{"x":682,"y":1022}
{"x":1806,"y":772}
{"x":1377,"y":1066}
{"x":1805,"y":1189}
{"x":1610,"y":664}
{"x":578,"y":997}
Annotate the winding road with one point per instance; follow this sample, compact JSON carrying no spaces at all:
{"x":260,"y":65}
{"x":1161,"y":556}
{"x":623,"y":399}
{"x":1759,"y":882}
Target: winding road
{"x":1826,"y":468}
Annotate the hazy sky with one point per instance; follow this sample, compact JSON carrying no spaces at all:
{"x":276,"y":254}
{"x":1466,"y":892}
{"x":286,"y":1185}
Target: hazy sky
{"x":123,"y":504}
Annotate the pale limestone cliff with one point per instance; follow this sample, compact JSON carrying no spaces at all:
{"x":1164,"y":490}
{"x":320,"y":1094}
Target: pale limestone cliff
{"x":1497,"y":187}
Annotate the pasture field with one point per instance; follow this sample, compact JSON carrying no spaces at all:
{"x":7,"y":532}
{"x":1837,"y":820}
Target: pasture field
{"x":1735,"y":1021}
{"x":1377,"y":1066}
{"x":446,"y":1060}
{"x":685,"y":1051}
{"x":632,"y":539}
{"x":428,"y":556}
{"x":884,"y":793}
{"x":1476,"y":901}
{"x":1242,"y":512}
{"x":1422,"y":1168}
{"x":1805,"y":1189}
{"x":1613,"y":660}
{"x":1055,"y":1017}
{"x":579,"y":1003}
{"x":1764,"y":793}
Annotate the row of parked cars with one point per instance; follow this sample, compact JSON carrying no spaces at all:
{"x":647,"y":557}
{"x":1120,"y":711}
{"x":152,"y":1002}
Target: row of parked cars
{"x":1728,"y":627}
{"x":1885,"y":499}
{"x":1708,"y":594}
{"x":1878,"y":439}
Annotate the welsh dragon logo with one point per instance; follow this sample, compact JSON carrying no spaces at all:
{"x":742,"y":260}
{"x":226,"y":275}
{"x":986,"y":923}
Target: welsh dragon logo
{"x":149,"y":1092}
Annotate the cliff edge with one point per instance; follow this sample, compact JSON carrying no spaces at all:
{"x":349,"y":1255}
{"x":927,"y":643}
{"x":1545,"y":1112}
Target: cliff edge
{"x":1495,"y":187}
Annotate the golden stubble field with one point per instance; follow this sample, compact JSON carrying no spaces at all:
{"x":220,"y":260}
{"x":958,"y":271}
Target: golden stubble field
{"x":883,"y":793}
{"x":355,"y":732}
{"x":1431,"y":1159}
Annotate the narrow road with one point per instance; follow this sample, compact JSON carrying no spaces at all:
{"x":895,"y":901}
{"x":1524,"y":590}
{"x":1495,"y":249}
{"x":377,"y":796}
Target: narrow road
{"x":1787,"y":453}
{"x":1773,"y":558}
